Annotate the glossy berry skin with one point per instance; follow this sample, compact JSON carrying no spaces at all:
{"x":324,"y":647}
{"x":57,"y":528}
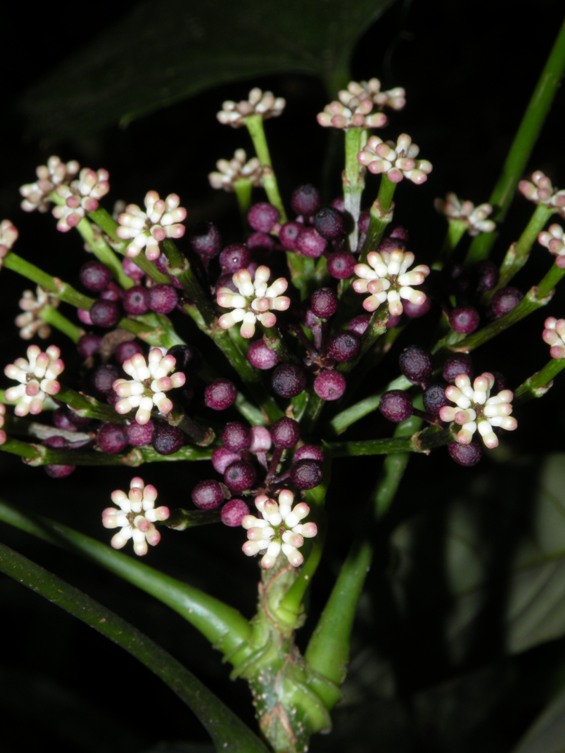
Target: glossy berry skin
{"x":306,"y":474}
{"x":416,"y":364}
{"x":263,"y":217}
{"x":305,"y":200}
{"x":466,"y":455}
{"x":329,"y":385}
{"x":310,"y":243}
{"x":288,"y":380}
{"x":207,"y":495}
{"x":260,"y":356}
{"x":285,"y":432}
{"x":220,"y":394}
{"x":112,"y":438}
{"x":309,"y":452}
{"x":288,"y":234}
{"x":343,"y":347}
{"x":233,"y":257}
{"x":330,"y":223}
{"x":464,"y":319}
{"x":341,"y":265}
{"x":240,"y":476}
{"x":95,"y":276}
{"x":323,"y":302}
{"x":459,"y":363}
{"x":236,"y":436}
{"x":105,"y":314}
{"x":396,"y":406}
{"x":167,"y":439}
{"x":233,"y":512}
{"x":162,"y":298}
{"x":136,"y":300}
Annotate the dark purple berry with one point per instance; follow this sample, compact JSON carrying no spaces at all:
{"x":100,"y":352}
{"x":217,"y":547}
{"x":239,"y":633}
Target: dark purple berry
{"x":309,"y":452}
{"x":260,"y":242}
{"x":416,"y":364}
{"x":234,"y":257}
{"x":459,"y":363}
{"x":88,"y":345}
{"x":358,"y":325}
{"x":464,"y":319}
{"x":329,"y":385}
{"x":285,"y":432}
{"x":111,"y":438}
{"x":104,"y":377}
{"x":395,"y":406}
{"x":323,"y":302}
{"x":105,"y":313}
{"x":59,"y":471}
{"x":465,"y":454}
{"x":330,"y":223}
{"x":310,"y":243}
{"x":206,"y":241}
{"x":263,"y":216}
{"x":207,"y":495}
{"x":167,"y":439}
{"x":306,"y":474}
{"x":416,"y":310}
{"x":240,"y":476}
{"x":136,"y":300}
{"x":127,"y":349}
{"x":288,"y":380}
{"x":305,"y":200}
{"x":162,"y":298}
{"x":236,"y":436}
{"x":220,"y":394}
{"x":233,"y":513}
{"x":112,"y":293}
{"x":341,"y":264}
{"x":288,"y":234}
{"x":222,"y":457}
{"x":261,"y":356}
{"x":487,"y":275}
{"x":139,"y":435}
{"x":132,"y":270}
{"x":504,"y":300}
{"x":434,"y":399}
{"x":345,"y":346}
{"x":95,"y":276}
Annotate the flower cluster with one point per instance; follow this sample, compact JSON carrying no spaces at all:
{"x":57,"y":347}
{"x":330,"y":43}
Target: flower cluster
{"x":8,"y":236}
{"x":396,"y":161}
{"x":239,"y":168}
{"x":554,"y":336}
{"x":30,"y":322}
{"x":475,"y":217}
{"x":554,"y":240}
{"x":161,"y":219}
{"x":356,"y":106}
{"x":37,"y":376}
{"x":80,"y":197}
{"x":37,"y":195}
{"x":539,"y":189}
{"x":261,"y":103}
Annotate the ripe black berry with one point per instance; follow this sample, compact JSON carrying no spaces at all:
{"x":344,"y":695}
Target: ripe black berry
{"x":136,"y":300}
{"x":288,"y":380}
{"x":234,"y":257}
{"x":460,"y":363}
{"x":416,"y":364}
{"x":306,"y":474}
{"x":465,"y":454}
{"x":345,"y":346}
{"x":104,"y":313}
{"x":167,"y":439}
{"x":305,"y":200}
{"x":330,"y":223}
{"x":162,"y":298}
{"x":207,"y":495}
{"x":95,"y":276}
{"x":434,"y":398}
{"x":240,"y":476}
{"x":395,"y":406}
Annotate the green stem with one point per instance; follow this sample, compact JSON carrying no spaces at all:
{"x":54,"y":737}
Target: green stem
{"x":539,"y":383}
{"x":523,"y":144}
{"x":380,"y":216}
{"x":256,"y":130}
{"x":54,"y":318}
{"x":346,"y":418}
{"x":88,"y":407}
{"x":243,"y":189}
{"x":518,"y":253}
{"x":62,"y":290}
{"x":354,"y":179}
{"x":103,"y":252}
{"x":423,"y":441}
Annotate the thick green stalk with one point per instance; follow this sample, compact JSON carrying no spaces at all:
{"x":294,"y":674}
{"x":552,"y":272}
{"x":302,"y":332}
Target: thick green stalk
{"x":226,"y":730}
{"x":539,"y":383}
{"x":354,"y":179}
{"x":380,"y":216}
{"x":256,"y":129}
{"x":62,"y":290}
{"x":524,"y":141}
{"x":50,"y":315}
{"x":518,"y":253}
{"x":423,"y":441}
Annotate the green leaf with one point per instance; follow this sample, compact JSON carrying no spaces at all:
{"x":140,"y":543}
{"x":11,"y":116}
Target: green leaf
{"x":158,"y":55}
{"x":491,"y":564}
{"x":222,"y":625}
{"x":547,"y":734}
{"x":227,"y":730}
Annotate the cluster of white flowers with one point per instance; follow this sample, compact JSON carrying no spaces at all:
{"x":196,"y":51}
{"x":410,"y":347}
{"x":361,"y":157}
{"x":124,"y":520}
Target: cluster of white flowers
{"x":554,"y":240}
{"x":477,"y":410}
{"x":146,"y":229}
{"x":136,"y":516}
{"x":80,"y":197}
{"x":396,"y":161}
{"x":49,"y":176}
{"x":32,"y":304}
{"x":475,"y":217}
{"x":387,"y":277}
{"x":279,"y":529}
{"x":258,"y":102}
{"x":255,"y":300}
{"x":150,"y":379}
{"x":8,"y":236}
{"x":540,"y":190}
{"x":554,"y":336}
{"x":355,"y":106}
{"x":37,"y":376}
{"x":239,"y":168}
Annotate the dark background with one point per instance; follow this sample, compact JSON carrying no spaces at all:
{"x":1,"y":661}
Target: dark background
{"x":468,"y":69}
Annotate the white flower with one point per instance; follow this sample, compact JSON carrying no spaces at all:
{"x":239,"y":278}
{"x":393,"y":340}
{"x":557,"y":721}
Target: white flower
{"x":386,"y":278}
{"x":136,"y":516}
{"x":146,"y":229}
{"x":49,"y":176}
{"x":150,"y":379}
{"x":477,"y":410}
{"x":254,"y":301}
{"x":8,"y":236}
{"x":279,"y":529}
{"x":38,"y":379}
{"x":258,"y":102}
{"x":81,"y":196}
{"x":475,"y":217}
{"x":397,"y":161}
{"x":554,"y":336}
{"x":29,"y":321}
{"x":554,"y":240}
{"x":540,"y":190}
{"x":236,"y":169}
{"x":355,"y":106}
